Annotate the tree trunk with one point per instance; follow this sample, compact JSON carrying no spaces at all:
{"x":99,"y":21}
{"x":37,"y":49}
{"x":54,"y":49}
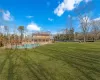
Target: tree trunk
{"x":84,"y":38}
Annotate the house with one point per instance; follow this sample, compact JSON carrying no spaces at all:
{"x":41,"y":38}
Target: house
{"x":42,"y":37}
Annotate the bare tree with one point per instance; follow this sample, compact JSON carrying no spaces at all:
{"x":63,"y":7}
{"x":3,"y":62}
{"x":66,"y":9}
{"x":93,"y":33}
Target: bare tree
{"x":6,"y":28}
{"x":84,"y":24}
{"x":83,"y":16}
{"x":21,"y":30}
{"x":71,"y":28}
{"x":95,"y":28}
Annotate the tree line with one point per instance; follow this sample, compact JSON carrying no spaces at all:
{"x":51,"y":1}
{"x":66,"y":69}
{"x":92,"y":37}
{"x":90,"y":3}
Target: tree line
{"x":89,"y":27}
{"x":7,"y":38}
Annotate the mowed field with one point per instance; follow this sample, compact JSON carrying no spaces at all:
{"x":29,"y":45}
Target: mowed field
{"x":59,"y":61}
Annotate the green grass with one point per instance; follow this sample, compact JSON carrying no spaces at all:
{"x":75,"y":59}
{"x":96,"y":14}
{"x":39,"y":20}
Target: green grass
{"x":59,"y":61}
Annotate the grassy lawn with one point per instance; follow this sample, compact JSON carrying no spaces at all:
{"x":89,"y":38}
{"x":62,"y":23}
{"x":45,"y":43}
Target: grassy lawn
{"x":59,"y":61}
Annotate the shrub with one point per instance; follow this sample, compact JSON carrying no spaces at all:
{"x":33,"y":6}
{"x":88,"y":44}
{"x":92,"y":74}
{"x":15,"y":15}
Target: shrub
{"x":1,"y":44}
